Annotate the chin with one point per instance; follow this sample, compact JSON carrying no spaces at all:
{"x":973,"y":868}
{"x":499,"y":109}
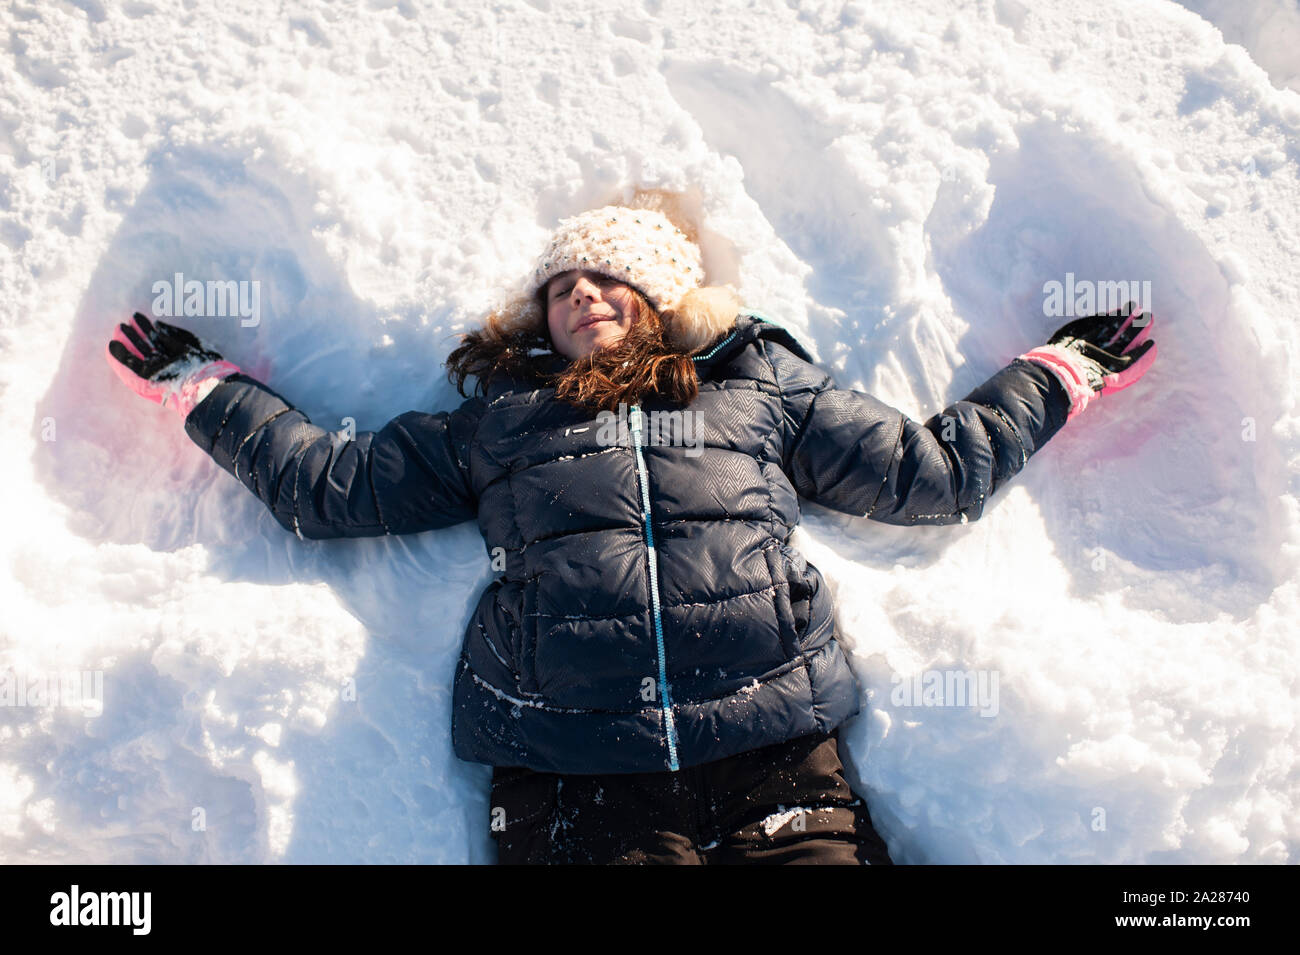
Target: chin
{"x":604,"y":338}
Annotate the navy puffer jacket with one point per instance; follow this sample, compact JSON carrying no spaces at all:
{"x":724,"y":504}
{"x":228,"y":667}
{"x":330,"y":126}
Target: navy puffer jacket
{"x":651,"y":614}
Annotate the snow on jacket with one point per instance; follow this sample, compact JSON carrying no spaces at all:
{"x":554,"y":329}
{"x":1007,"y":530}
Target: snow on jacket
{"x":651,"y":614}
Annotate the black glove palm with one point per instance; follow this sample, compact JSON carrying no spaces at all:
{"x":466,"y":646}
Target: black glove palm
{"x":1110,"y":344}
{"x":1099,"y":354}
{"x":164,"y":363}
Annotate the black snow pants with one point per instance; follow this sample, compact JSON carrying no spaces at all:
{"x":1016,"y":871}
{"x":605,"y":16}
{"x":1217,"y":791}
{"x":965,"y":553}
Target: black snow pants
{"x":783,"y":804}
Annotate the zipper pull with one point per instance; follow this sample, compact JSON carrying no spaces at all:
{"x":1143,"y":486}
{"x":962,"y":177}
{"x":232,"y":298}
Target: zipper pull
{"x":634,"y":422}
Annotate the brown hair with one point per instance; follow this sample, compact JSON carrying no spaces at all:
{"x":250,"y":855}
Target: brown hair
{"x":653,"y":357}
{"x":639,"y":364}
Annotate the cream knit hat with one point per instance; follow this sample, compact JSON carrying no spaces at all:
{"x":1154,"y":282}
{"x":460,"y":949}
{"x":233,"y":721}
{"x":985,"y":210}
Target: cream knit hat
{"x":639,"y":247}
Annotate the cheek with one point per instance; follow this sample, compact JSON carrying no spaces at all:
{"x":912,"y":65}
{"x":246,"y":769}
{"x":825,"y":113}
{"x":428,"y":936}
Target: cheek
{"x":623,"y":302}
{"x":555,"y":321}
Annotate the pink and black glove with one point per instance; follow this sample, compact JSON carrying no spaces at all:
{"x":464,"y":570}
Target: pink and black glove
{"x":166,"y":364}
{"x":1097,"y":355}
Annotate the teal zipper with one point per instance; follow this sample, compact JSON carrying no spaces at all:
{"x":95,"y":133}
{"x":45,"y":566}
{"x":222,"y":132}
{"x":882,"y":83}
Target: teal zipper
{"x":754,"y":313}
{"x":714,"y":350}
{"x":665,"y":692}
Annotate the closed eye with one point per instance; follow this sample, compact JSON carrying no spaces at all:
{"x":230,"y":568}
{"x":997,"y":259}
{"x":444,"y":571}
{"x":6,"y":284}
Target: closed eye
{"x":565,"y":288}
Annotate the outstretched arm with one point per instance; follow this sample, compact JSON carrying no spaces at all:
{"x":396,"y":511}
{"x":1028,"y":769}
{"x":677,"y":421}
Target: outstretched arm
{"x":411,"y":475}
{"x":852,"y":452}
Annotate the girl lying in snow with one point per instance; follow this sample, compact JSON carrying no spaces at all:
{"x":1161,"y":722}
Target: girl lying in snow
{"x":655,"y":675}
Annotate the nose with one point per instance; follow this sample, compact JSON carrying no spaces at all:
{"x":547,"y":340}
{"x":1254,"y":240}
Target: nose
{"x":585,"y":288}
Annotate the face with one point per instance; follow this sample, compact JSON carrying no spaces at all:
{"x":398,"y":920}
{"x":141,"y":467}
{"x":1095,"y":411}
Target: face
{"x":586,"y":311}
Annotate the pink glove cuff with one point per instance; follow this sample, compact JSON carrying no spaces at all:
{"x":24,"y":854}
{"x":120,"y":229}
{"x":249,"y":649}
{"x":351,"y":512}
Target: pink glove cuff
{"x":196,"y":386}
{"x":1067,"y":366}
{"x":182,"y":391}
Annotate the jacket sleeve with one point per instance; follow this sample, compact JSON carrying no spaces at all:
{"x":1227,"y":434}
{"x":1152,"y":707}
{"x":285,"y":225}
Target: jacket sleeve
{"x":852,"y":452}
{"x":412,"y":475}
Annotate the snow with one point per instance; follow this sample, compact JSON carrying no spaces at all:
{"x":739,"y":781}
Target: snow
{"x":1268,"y":29}
{"x":895,"y":181}
{"x":773,"y":823}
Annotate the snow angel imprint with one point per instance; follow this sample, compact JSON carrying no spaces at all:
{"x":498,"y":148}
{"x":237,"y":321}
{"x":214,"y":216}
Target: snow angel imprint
{"x":655,"y":675}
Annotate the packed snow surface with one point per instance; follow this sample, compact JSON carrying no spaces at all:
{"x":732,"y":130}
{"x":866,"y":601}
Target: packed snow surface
{"x":894,"y":181}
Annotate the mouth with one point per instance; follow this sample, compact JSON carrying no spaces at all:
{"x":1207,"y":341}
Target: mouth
{"x":592,"y":320}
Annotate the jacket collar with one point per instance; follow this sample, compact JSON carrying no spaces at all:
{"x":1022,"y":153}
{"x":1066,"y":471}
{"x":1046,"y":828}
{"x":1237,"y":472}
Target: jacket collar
{"x":750,"y":325}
